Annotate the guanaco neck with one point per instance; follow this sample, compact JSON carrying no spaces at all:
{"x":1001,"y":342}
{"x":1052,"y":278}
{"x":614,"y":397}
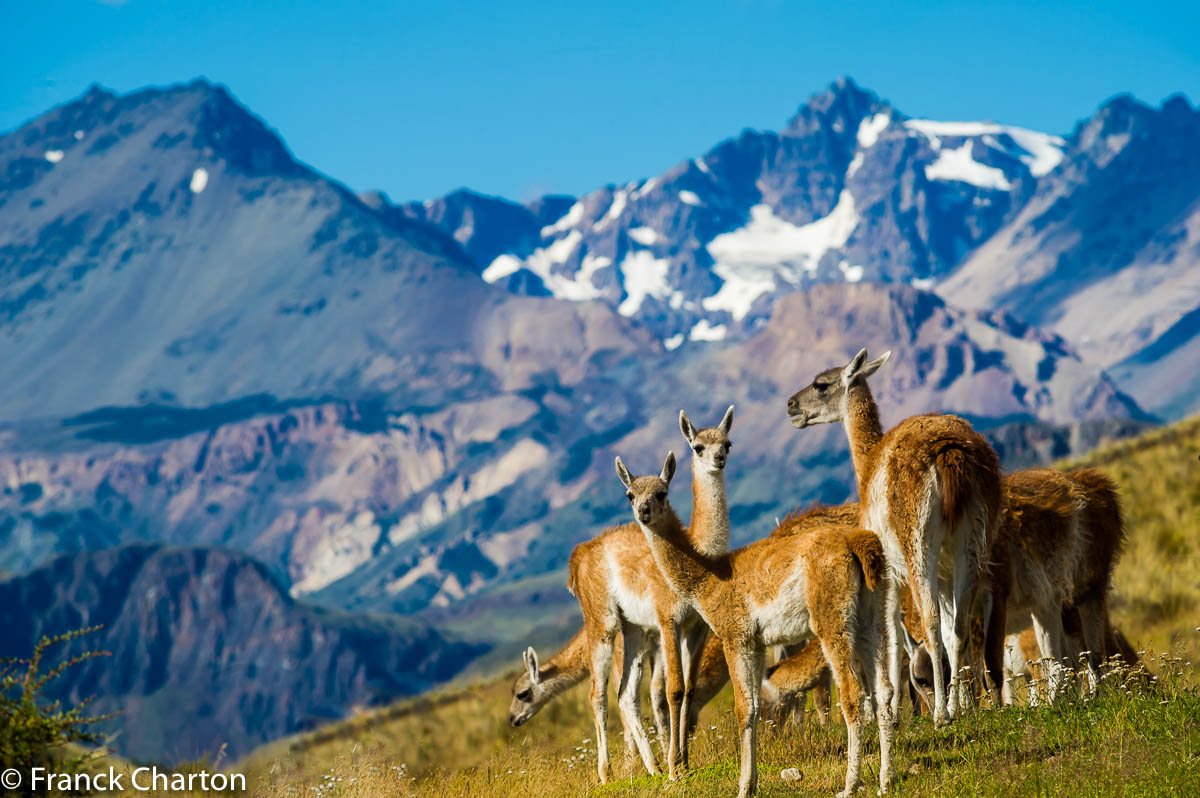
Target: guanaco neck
{"x":687,"y":571}
{"x":709,"y":531}
{"x":861,"y":418}
{"x":567,"y":668}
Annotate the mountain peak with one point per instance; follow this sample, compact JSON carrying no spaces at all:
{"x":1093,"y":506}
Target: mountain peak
{"x":1124,"y":118}
{"x":841,"y":108}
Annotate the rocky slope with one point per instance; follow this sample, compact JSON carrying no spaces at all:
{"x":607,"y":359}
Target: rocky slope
{"x":164,"y":246}
{"x":207,"y":649}
{"x":415,"y":509}
{"x":1106,"y":252}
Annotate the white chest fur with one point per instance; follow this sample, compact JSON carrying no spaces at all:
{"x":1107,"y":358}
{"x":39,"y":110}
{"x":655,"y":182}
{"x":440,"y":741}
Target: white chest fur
{"x":636,"y":605}
{"x":784,"y":619}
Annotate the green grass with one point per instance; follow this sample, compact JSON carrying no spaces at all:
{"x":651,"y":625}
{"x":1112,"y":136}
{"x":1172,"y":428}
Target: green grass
{"x":1138,"y":743}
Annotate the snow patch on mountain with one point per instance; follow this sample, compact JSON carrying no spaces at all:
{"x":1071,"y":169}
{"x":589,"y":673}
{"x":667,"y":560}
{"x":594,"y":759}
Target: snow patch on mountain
{"x":645,"y":236}
{"x":545,"y":263}
{"x":689,"y":197}
{"x":620,"y":200}
{"x":751,"y":259}
{"x":1040,"y":152}
{"x":852,"y":273}
{"x":958,"y":164}
{"x":870,"y":128}
{"x":646,"y":188}
{"x":703,"y":331}
{"x":644,"y":276}
{"x":571,"y":218}
{"x":54,"y":156}
{"x":199,"y":180}
{"x":501,"y":267}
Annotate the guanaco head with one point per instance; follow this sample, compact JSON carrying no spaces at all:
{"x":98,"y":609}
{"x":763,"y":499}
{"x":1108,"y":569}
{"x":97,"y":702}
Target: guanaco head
{"x":920,"y":670}
{"x":824,"y":402}
{"x":648,"y":495}
{"x":710,"y":446}
{"x":529,"y":694}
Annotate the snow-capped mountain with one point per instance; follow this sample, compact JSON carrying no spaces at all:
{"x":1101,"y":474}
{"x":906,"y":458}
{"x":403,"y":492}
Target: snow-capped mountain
{"x":851,"y":189}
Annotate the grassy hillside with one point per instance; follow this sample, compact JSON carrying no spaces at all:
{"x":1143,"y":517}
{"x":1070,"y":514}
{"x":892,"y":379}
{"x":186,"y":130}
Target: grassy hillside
{"x":1129,"y":741}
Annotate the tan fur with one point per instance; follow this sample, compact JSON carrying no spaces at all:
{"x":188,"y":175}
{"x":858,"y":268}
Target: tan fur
{"x":711,"y":676}
{"x":1059,"y":540}
{"x":617,"y":593}
{"x":930,"y":487}
{"x":1104,"y":534}
{"x":817,"y":516}
{"x":865,"y":546}
{"x":790,"y":680}
{"x":606,"y":574}
{"x":1035,"y":557}
{"x":561,"y":672}
{"x":775,"y":591}
{"x":1023,"y":657}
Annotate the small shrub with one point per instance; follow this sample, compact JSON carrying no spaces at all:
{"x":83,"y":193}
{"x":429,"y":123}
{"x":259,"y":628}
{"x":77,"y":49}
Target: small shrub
{"x":35,"y":732}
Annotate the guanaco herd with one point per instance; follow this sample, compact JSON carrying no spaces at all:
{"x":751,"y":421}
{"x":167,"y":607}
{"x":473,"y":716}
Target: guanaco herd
{"x":942,"y":555}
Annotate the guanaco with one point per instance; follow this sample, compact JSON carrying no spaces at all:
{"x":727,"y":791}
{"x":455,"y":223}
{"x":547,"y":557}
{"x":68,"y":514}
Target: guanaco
{"x":778,"y":591}
{"x":930,"y":488}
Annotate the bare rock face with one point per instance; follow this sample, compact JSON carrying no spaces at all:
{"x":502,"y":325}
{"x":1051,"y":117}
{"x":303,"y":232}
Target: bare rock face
{"x":208,"y":649}
{"x":1106,"y":251}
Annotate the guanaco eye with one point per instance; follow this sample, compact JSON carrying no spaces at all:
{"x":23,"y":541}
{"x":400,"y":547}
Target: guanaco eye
{"x":698,"y":449}
{"x":728,"y":445}
{"x":629,"y":496}
{"x":525,"y":695}
{"x":661,"y":496}
{"x":821,"y":387}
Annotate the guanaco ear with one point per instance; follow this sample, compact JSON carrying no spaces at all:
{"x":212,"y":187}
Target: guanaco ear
{"x":531,"y":664}
{"x":668,"y":470}
{"x":726,"y":421}
{"x":854,"y":367}
{"x":874,"y":365}
{"x":685,"y":426}
{"x":624,"y":475}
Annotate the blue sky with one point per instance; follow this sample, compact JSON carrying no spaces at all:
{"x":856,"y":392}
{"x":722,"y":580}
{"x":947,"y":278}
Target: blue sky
{"x":520,"y":99}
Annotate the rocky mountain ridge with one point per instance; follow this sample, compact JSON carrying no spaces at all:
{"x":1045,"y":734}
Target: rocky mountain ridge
{"x":207,"y":649}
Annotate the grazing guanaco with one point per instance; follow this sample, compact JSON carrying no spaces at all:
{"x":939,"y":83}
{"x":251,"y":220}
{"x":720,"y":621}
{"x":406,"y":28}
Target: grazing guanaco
{"x":779,"y":591}
{"x":1034,"y":560}
{"x":789,"y":681}
{"x":1022,"y":656}
{"x":930,"y":488}
{"x":1059,"y":538}
{"x":537,"y":685}
{"x":618,"y":593}
{"x":1104,"y":533}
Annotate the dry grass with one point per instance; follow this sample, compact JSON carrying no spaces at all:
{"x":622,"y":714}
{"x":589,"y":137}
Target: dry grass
{"x":1134,"y":739}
